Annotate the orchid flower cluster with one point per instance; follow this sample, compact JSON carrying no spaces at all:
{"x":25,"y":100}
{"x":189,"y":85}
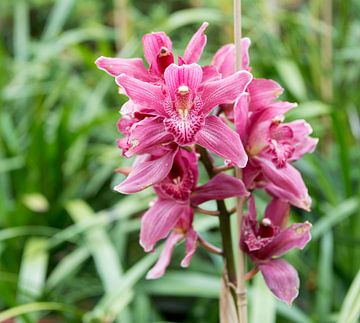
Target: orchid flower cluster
{"x":177,"y":109}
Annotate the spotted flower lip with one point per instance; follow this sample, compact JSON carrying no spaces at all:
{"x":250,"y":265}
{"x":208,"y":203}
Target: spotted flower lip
{"x":268,"y":239}
{"x":172,"y":213}
{"x":158,"y":53}
{"x":181,"y":110}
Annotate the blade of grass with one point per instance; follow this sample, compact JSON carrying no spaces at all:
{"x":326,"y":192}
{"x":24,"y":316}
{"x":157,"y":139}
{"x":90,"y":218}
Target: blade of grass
{"x":67,"y":267}
{"x":21,"y":30}
{"x":350,"y":310}
{"x":32,"y":271}
{"x":104,"y":254}
{"x":263,"y":304}
{"x":191,"y":284}
{"x":57,"y":18}
{"x":37,"y":307}
{"x":325,"y":277}
{"x":334,"y":216}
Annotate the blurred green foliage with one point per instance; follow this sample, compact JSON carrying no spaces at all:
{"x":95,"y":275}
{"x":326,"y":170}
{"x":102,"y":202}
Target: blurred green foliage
{"x":68,"y":243}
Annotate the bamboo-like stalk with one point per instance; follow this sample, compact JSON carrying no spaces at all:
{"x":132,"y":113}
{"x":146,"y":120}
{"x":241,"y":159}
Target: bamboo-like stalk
{"x":240,"y":265}
{"x":224,"y":221}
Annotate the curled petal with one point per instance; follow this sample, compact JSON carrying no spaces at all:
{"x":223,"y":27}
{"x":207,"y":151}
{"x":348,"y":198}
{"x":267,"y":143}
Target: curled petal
{"x":222,"y":140}
{"x":145,"y":135}
{"x":210,"y":73}
{"x":130,"y":66}
{"x":190,"y":246}
{"x":287,"y":183}
{"x":225,"y":90}
{"x":220,"y":187}
{"x":278,"y":212}
{"x":224,"y":58}
{"x":263,"y":92}
{"x":295,"y":236}
{"x":142,"y":93}
{"x":189,"y":75}
{"x":282,"y":279}
{"x":147,"y":170}
{"x":164,"y":260}
{"x":196,"y":45}
{"x":157,"y":222}
{"x":153,"y":44}
{"x":302,"y":143}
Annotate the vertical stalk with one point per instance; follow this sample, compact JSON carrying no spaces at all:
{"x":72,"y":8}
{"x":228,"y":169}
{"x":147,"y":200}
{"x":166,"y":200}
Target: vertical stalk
{"x":224,"y":221}
{"x":240,"y":266}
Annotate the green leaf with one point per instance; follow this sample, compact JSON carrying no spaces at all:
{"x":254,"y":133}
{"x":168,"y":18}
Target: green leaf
{"x":350,"y":310}
{"x":293,"y":313}
{"x":104,"y":254}
{"x":21,"y":30}
{"x":67,"y":266}
{"x":32,"y":271}
{"x":334,"y":216}
{"x":187,"y":283}
{"x":57,"y":18}
{"x":292,"y":78}
{"x":308,"y":110}
{"x":37,"y":307}
{"x":325,"y":277}
{"x":108,"y":305}
{"x":263,"y":304}
{"x":99,"y":244}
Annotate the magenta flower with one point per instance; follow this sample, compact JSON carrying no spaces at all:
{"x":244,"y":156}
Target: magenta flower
{"x":271,"y":146}
{"x":172,"y":211}
{"x":158,"y":54}
{"x":266,"y":240}
{"x":181,"y":110}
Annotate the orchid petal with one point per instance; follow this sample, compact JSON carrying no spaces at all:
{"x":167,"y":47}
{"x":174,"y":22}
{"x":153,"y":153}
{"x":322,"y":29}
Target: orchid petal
{"x":190,"y":245}
{"x":153,"y":43}
{"x":146,"y":171}
{"x":282,"y":279}
{"x":210,"y":73}
{"x":225,"y":90}
{"x":224,"y":58}
{"x":142,"y":93}
{"x":289,"y":181}
{"x":263,"y":92}
{"x":133,"y":67}
{"x":222,"y":140}
{"x":157,"y":222}
{"x":176,"y":76}
{"x":145,"y":135}
{"x":196,"y":45}
{"x":302,"y":143}
{"x":220,"y":187}
{"x":295,"y":236}
{"x":164,"y":260}
{"x":277,"y":212}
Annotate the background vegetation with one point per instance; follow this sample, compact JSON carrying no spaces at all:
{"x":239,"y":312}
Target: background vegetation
{"x":69,"y":245}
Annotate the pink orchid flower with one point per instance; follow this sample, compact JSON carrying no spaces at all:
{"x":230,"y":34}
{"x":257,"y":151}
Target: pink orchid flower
{"x":272,"y":146}
{"x":181,"y":110}
{"x":158,"y":54}
{"x":172,"y":211}
{"x":268,"y":239}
